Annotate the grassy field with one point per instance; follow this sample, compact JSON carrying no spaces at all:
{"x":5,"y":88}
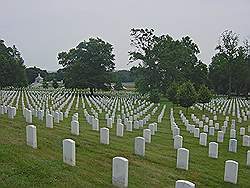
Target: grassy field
{"x":22,"y":166}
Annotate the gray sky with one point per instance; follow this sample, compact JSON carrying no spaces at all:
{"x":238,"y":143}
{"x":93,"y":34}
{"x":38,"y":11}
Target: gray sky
{"x":42,"y":28}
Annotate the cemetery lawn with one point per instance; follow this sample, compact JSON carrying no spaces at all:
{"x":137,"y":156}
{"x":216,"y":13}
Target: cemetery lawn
{"x":22,"y":166}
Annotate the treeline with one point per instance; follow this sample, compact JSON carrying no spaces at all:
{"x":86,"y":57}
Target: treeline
{"x":12,"y":69}
{"x":32,"y":73}
{"x":229,"y":72}
{"x":14,"y":73}
{"x":164,"y":63}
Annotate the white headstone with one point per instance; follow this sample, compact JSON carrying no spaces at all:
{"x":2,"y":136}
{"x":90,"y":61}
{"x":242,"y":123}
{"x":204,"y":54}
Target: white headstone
{"x":120,"y":172}
{"x":151,"y":127}
{"x":220,"y":136}
{"x":211,"y":131}
{"x":231,"y":171}
{"x":147,"y":135}
{"x":217,"y":126}
{"x":56,"y":117}
{"x":95,"y":125}
{"x":211,"y":122}
{"x":232,"y":133}
{"x":184,"y":184}
{"x":49,"y":121}
{"x":196,"y":132}
{"x":31,"y":137}
{"x":248,"y":158}
{"x":28,"y":116}
{"x":242,"y":131}
{"x":182,"y":158}
{"x":213,"y":150}
{"x":75,"y":127}
{"x":140,"y":146}
{"x":232,"y":145}
{"x":205,"y":128}
{"x":109,"y":122}
{"x":203,"y":139}
{"x":129,"y":126}
{"x":246,"y":141}
{"x":178,"y":141}
{"x":104,"y":135}
{"x":69,"y":152}
{"x":119,"y":129}
{"x":176,"y":131}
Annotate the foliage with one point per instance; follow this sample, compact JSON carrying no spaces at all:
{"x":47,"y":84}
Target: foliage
{"x":88,"y":65}
{"x":12,"y":67}
{"x":163,"y":60}
{"x":172,"y":92}
{"x":123,"y":75}
{"x":186,"y":94}
{"x":204,"y":95}
{"x":229,"y":71}
{"x":58,"y":75}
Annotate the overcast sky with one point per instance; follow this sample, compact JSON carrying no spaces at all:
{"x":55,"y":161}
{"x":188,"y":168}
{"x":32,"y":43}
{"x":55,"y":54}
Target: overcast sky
{"x":42,"y":28}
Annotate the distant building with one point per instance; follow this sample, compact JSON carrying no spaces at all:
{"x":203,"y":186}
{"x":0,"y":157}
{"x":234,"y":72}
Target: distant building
{"x":38,"y":81}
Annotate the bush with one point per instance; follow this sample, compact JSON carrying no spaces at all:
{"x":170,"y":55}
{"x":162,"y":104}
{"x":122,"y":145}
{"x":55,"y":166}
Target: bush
{"x":187,"y":95}
{"x":172,"y":93}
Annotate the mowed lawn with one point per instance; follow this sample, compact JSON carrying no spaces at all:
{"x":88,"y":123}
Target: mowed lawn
{"x":22,"y":166}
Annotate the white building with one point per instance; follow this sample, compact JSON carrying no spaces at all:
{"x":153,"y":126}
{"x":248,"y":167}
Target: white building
{"x":38,"y":81}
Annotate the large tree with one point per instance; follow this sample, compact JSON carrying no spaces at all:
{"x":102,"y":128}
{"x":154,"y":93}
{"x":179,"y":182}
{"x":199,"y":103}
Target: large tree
{"x":204,"y":95}
{"x":186,"y":94}
{"x":88,"y":65}
{"x":12,"y":67}
{"x":229,"y":70}
{"x":164,"y":60}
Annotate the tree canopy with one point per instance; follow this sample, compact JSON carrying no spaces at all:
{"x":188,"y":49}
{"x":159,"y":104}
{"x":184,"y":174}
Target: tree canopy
{"x":164,"y":60}
{"x":12,"y":67}
{"x":204,"y":95}
{"x":229,"y":71}
{"x":186,"y":94}
{"x":88,"y":65}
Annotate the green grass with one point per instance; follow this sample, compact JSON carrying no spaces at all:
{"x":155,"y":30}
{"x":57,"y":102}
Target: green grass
{"x":22,"y":166}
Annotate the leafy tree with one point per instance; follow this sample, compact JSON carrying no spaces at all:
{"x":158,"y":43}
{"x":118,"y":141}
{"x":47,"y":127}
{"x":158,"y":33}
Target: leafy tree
{"x":163,"y":60}
{"x":172,"y":93}
{"x":186,"y":94}
{"x":88,"y":65}
{"x":123,"y":75}
{"x":12,"y":67}
{"x":229,"y":70}
{"x":58,"y":75}
{"x":204,"y":95}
